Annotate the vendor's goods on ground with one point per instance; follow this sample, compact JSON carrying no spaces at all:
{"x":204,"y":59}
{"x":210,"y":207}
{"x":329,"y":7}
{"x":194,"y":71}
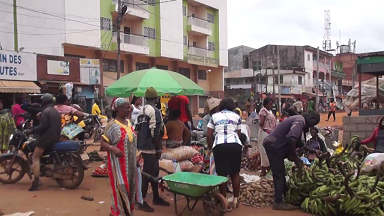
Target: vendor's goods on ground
{"x":101,"y":171}
{"x":94,"y":156}
{"x":335,"y":185}
{"x":186,"y":165}
{"x":257,"y":194}
{"x":179,"y":154}
{"x":251,"y":162}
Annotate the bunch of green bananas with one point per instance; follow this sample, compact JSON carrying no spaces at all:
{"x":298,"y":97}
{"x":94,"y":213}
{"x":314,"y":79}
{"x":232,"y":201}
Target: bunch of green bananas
{"x":335,"y":200}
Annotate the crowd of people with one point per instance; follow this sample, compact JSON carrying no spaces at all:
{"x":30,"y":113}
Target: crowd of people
{"x":140,"y":126}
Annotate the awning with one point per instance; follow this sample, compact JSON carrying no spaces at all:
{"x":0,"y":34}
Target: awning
{"x":11,"y":86}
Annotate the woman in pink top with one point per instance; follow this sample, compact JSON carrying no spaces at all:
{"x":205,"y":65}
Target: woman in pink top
{"x":17,"y":112}
{"x":267,"y":123}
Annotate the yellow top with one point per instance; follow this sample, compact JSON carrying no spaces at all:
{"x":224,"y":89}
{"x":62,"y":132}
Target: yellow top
{"x":127,"y":128}
{"x":241,"y":113}
{"x":81,"y":124}
{"x":96,"y":111}
{"x":163,"y":109}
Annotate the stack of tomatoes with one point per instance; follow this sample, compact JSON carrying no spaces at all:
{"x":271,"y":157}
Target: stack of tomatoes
{"x":100,"y":172}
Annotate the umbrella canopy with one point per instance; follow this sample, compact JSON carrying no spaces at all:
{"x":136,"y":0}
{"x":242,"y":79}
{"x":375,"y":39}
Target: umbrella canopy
{"x":162,"y":80}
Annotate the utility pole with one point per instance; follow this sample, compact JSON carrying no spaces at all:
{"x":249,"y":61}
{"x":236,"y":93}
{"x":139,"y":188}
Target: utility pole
{"x":266,"y":74}
{"x":15,"y":33}
{"x":317,"y":79}
{"x":121,"y":11}
{"x":330,"y":76}
{"x":278,"y":78}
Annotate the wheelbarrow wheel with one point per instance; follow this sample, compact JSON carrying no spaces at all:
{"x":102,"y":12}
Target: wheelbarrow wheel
{"x":219,"y":206}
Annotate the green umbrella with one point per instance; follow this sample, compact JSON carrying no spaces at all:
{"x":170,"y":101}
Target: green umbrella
{"x":162,"y":80}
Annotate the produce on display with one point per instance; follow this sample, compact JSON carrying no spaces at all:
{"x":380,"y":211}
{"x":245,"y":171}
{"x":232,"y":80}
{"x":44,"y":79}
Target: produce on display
{"x":101,"y":171}
{"x":199,"y":158}
{"x":257,"y":194}
{"x":335,"y":185}
{"x":251,"y":162}
{"x":179,"y":154}
{"x":94,"y":156}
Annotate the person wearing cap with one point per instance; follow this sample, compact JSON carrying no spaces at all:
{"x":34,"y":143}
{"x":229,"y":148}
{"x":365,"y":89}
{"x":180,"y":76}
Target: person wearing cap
{"x":282,"y":143}
{"x":213,"y":107}
{"x":49,"y":133}
{"x":148,"y":124}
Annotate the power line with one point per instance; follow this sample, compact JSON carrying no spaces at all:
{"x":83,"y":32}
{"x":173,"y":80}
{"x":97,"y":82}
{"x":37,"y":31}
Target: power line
{"x":53,"y":15}
{"x":69,"y":15}
{"x":32,"y":34}
{"x":155,"y":3}
{"x":38,"y":27}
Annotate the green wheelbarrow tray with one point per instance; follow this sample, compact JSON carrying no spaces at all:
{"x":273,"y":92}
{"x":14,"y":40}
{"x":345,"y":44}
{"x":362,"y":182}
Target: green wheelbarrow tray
{"x":193,"y":185}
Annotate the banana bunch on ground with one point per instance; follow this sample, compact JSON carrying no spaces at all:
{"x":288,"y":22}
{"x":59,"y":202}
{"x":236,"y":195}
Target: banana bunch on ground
{"x":331,"y":186}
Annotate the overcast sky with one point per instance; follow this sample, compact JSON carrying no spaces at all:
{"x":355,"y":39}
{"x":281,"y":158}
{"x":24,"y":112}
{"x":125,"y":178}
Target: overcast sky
{"x":256,"y":23}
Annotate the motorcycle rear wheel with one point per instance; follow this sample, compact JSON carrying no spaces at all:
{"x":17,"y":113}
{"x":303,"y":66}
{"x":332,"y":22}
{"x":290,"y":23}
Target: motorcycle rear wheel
{"x":4,"y":164}
{"x":77,"y":168}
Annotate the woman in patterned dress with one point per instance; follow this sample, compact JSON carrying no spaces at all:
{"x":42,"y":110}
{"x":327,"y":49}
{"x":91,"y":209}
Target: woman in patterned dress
{"x":120,"y":141}
{"x":7,"y":128}
{"x":267,"y":123}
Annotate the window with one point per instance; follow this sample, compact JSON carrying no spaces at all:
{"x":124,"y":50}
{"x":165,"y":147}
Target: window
{"x":151,"y":2}
{"x":110,"y":65}
{"x":194,"y":44}
{"x":210,"y":18}
{"x":105,"y":23}
{"x":185,"y":40}
{"x":185,"y":71}
{"x":142,"y":66}
{"x":202,"y":75}
{"x":184,"y":11}
{"x":300,"y":80}
{"x":281,"y":79}
{"x":314,"y":57}
{"x":309,"y":57}
{"x":256,"y":65}
{"x":162,"y":67}
{"x":276,"y":80}
{"x":211,"y":46}
{"x":150,"y":32}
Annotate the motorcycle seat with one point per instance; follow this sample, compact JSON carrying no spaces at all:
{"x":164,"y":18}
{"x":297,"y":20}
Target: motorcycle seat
{"x":68,"y":145}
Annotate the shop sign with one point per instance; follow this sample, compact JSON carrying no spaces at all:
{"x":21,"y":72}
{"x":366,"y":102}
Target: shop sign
{"x":203,"y":61}
{"x":55,"y":67}
{"x":17,"y":66}
{"x":90,"y":71}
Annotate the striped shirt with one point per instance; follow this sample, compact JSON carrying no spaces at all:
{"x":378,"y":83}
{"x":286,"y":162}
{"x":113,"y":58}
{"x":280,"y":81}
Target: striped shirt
{"x":226,"y":124}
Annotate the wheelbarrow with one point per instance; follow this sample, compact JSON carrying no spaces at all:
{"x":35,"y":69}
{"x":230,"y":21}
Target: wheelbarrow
{"x":195,"y":187}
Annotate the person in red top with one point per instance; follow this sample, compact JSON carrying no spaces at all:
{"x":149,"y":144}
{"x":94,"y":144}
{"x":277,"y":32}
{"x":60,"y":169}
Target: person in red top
{"x":332,"y":110}
{"x":377,"y":138}
{"x":181,"y":103}
{"x":17,"y":112}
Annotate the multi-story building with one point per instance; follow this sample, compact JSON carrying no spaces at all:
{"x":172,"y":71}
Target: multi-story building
{"x":298,"y":71}
{"x":185,"y":36}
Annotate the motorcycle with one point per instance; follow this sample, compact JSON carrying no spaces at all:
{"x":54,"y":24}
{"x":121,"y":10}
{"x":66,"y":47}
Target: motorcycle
{"x":93,"y":127}
{"x":61,"y":162}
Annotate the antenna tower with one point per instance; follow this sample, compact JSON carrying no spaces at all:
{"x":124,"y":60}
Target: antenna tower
{"x":327,"y":30}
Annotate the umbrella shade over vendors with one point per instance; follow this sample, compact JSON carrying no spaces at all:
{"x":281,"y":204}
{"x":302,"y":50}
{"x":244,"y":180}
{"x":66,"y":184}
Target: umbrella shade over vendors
{"x":162,"y":80}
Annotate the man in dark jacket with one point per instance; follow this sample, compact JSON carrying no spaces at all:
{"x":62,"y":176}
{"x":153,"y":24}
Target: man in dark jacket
{"x":33,"y":109}
{"x":49,"y":133}
{"x":148,"y":125}
{"x":282,"y":143}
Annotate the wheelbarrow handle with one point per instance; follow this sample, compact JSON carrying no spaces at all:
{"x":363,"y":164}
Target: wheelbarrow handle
{"x":151,"y":178}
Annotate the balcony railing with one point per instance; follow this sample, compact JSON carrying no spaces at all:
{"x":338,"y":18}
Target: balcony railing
{"x":199,"y":22}
{"x":198,"y":51}
{"x":139,"y":40}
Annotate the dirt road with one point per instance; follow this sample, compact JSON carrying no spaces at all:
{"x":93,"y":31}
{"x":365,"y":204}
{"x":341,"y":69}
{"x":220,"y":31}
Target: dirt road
{"x":51,"y":200}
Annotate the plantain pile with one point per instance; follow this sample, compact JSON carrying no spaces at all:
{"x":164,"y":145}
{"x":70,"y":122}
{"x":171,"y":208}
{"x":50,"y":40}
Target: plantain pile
{"x":257,"y":194}
{"x":333,"y":185}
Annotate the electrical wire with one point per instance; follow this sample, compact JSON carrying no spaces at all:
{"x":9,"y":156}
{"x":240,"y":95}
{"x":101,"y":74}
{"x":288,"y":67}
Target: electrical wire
{"x":65,"y":14}
{"x":38,"y":27}
{"x":48,"y":14}
{"x":155,"y":3}
{"x":33,"y":34}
